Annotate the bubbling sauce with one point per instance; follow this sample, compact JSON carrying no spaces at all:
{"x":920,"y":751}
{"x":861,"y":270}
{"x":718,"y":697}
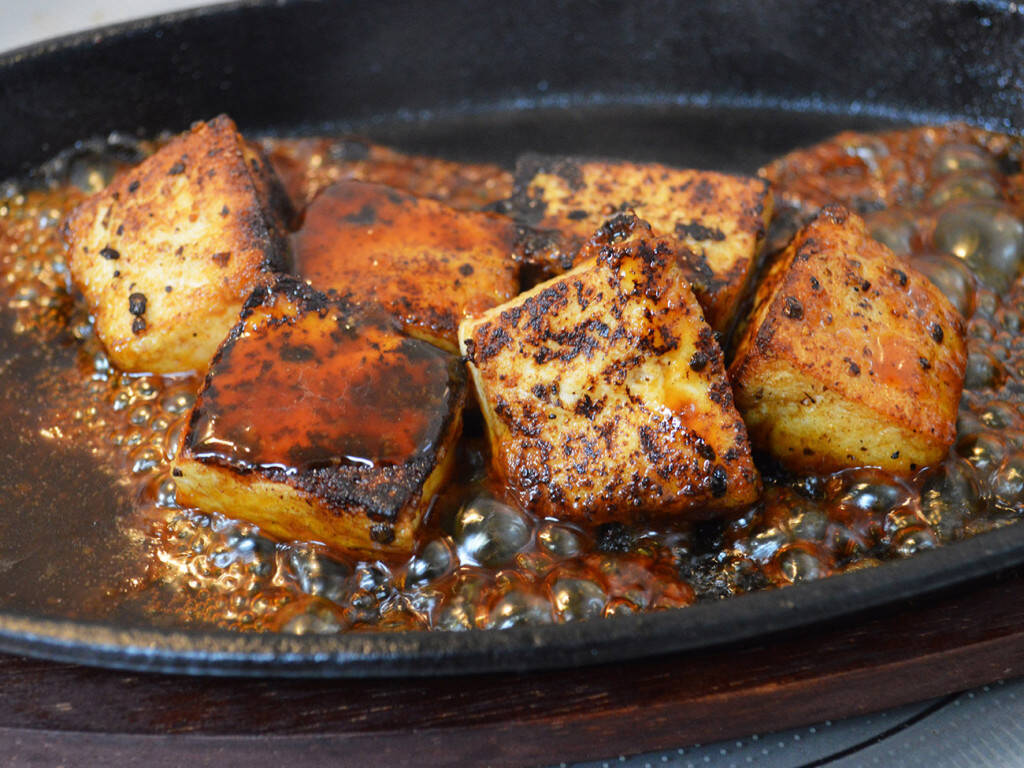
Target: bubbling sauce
{"x":89,"y":446}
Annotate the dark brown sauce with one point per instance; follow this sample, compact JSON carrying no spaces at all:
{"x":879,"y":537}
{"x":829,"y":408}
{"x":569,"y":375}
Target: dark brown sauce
{"x":91,"y":528}
{"x":321,"y":391}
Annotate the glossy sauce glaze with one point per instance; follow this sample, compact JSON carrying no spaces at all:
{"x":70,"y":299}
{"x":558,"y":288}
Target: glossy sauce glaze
{"x":479,"y":561}
{"x":313,"y":394}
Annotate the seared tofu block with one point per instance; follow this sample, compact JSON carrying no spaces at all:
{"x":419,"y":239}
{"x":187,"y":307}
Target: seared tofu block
{"x":868,"y":172}
{"x":604,"y":391}
{"x":320,"y":421}
{"x":309,"y":166}
{"x":166,"y":254}
{"x":427,"y":263}
{"x":715,"y":222}
{"x":850,"y":357}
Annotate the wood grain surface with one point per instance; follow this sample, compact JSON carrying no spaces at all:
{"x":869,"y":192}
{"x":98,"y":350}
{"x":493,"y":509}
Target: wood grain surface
{"x":62,"y":713}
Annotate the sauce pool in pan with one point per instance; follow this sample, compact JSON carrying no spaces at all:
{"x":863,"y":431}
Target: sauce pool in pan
{"x":90,"y":527}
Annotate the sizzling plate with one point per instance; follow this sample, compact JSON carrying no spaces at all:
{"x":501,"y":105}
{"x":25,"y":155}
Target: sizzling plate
{"x":723,"y":86}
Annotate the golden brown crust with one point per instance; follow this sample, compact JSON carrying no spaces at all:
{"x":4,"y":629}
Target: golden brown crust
{"x":715,"y":222}
{"x":605,"y":392}
{"x":851,"y":357}
{"x":870,"y":171}
{"x":309,"y":166}
{"x":320,"y":420}
{"x":167,"y":253}
{"x":427,"y":263}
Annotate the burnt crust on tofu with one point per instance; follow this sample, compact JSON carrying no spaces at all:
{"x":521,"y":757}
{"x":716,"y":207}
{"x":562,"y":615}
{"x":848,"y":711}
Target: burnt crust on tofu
{"x":850,"y":356}
{"x":192,"y":229}
{"x":427,"y":263}
{"x":714,"y":222}
{"x":312,"y":393}
{"x":308,"y":166}
{"x":604,"y":390}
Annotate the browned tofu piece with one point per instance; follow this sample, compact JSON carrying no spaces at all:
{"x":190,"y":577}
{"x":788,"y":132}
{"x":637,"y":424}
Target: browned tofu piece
{"x":167,"y":253}
{"x":716,"y":222}
{"x":851,"y":357}
{"x":320,"y":421}
{"x":309,"y":166}
{"x":870,"y":171}
{"x":604,"y":390}
{"x":427,"y":263}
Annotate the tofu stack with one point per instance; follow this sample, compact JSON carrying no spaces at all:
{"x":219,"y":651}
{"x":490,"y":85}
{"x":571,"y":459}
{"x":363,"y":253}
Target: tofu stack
{"x":604,"y":391}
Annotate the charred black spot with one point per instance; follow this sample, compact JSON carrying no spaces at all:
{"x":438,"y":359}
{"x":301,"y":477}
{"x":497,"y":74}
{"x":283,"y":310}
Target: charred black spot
{"x":110,"y":254}
{"x":719,"y":482}
{"x":901,"y":276}
{"x":492,"y":343}
{"x":617,"y":228}
{"x":925,"y":363}
{"x":578,"y":215}
{"x":587,"y":408}
{"x":137,"y":304}
{"x":221,"y":259}
{"x":132,"y":187}
{"x":792,"y":308}
{"x":138,"y":325}
{"x":937,"y":334}
{"x":815,"y":285}
{"x":704,"y":192}
{"x":466,"y":270}
{"x":365,"y":216}
{"x":699,"y":360}
{"x":382,"y":533}
{"x":298,"y":353}
{"x":697,"y":231}
{"x":174,"y":170}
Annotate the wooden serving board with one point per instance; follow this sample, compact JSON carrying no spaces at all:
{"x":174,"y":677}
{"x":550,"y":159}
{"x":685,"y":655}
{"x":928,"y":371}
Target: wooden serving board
{"x":54,"y":713}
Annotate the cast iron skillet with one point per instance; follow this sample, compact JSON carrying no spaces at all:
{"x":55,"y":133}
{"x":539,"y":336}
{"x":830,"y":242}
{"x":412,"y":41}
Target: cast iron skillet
{"x":740,"y":80}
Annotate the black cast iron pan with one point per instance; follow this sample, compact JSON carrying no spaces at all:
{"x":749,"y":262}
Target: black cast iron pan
{"x":724,"y":85}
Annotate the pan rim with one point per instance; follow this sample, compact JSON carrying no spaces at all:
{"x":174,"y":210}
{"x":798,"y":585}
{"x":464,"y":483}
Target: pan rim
{"x":432,"y":653}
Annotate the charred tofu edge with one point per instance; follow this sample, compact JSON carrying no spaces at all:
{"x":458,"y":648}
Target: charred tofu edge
{"x":766,"y":376}
{"x":702,"y":494}
{"x":377,"y":524}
